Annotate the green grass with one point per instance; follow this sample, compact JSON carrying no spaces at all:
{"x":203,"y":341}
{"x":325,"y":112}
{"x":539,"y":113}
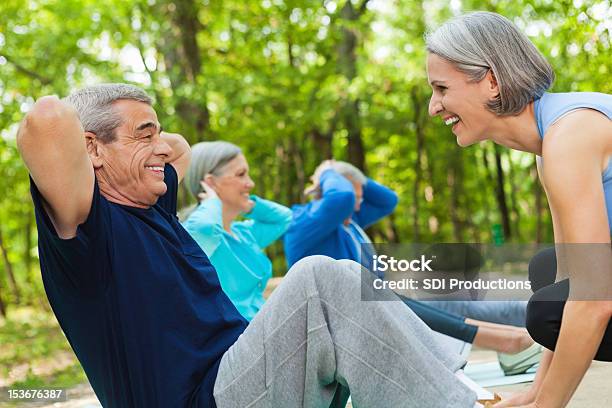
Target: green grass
{"x":65,"y":378}
{"x":33,"y":337}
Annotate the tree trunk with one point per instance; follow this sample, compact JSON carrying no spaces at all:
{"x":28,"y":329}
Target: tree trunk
{"x":501,"y":195}
{"x":300,"y":178}
{"x":27,"y":254}
{"x":516,"y":221}
{"x":322,"y":143}
{"x":281,"y":159}
{"x":538,"y":193}
{"x":391,"y":230}
{"x":2,"y":305}
{"x":356,"y":154}
{"x":455,"y":180}
{"x":9,"y":271}
{"x":347,"y":65}
{"x":418,"y":164}
{"x":183,"y":62}
{"x":490,"y":181}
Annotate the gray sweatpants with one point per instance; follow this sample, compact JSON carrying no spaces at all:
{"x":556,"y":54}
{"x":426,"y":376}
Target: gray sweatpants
{"x":314,"y":337}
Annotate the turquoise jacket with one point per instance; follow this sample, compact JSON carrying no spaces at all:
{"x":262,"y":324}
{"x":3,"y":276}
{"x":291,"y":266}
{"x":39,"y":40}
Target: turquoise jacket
{"x":242,"y":266}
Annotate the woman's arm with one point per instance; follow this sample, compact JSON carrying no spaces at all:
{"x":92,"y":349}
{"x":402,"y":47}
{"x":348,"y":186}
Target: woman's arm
{"x":531,"y":393}
{"x":267,"y":221}
{"x":575,"y":152}
{"x":558,"y":235}
{"x":205,"y":225}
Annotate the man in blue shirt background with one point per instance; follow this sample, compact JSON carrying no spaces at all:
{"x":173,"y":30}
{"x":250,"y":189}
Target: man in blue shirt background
{"x":346,"y":202}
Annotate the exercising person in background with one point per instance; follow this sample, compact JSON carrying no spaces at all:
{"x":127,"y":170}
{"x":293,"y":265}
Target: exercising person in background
{"x":218,"y":178}
{"x":346,"y":202}
{"x":490,"y":83}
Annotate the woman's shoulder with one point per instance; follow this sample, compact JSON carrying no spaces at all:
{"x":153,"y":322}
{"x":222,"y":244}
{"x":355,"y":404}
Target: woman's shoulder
{"x":552,"y":105}
{"x":551,"y":108}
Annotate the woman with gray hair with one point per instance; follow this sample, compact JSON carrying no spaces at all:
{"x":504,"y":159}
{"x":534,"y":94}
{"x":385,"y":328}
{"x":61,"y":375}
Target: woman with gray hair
{"x":490,"y":83}
{"x":218,"y":178}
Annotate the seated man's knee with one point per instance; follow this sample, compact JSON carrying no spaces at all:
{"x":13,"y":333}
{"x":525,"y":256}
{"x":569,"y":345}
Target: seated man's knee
{"x":309,"y":266}
{"x":350,"y":266}
{"x":324,"y":270}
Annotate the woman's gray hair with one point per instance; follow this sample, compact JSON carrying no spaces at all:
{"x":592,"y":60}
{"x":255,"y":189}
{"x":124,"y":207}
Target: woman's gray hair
{"x":350,"y":171}
{"x":94,"y":106}
{"x":208,"y":158}
{"x":479,"y":41}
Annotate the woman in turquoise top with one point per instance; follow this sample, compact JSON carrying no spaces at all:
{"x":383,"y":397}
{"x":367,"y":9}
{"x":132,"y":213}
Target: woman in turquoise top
{"x":489,"y":82}
{"x":219,"y":178}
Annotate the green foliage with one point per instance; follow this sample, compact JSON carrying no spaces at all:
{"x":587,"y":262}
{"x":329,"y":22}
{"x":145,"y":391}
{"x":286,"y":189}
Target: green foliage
{"x":292,"y":82}
{"x":29,"y":339}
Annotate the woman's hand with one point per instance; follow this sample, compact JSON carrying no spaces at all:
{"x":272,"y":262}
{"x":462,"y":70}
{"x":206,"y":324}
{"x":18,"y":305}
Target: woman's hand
{"x":250,"y":205}
{"x":524,"y":399}
{"x":208,"y":192}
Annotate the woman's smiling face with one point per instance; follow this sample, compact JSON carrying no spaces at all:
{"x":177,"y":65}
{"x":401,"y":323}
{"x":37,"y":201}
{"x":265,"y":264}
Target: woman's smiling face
{"x":234,"y":185}
{"x":459,"y":101}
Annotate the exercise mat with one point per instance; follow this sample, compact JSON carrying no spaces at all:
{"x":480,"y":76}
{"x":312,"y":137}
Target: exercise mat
{"x":491,"y":374}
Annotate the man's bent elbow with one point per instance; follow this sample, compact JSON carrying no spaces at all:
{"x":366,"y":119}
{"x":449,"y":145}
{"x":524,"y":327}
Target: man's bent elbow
{"x":48,"y":115}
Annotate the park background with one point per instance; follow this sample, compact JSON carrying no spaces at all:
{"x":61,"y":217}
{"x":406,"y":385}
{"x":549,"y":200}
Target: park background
{"x":293,"y":82}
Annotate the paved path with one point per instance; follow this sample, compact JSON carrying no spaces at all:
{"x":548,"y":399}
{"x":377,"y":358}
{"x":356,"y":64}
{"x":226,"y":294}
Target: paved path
{"x":595,"y":391}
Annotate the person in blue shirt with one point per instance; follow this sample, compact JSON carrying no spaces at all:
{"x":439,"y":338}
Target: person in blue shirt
{"x":142,"y":306}
{"x":490,"y":83}
{"x":345,"y":203}
{"x":218,"y":178}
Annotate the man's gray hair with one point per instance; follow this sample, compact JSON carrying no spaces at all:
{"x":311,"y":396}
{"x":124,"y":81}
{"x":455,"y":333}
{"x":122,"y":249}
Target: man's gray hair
{"x":208,"y":158}
{"x":350,"y":171}
{"x":94,"y":106}
{"x":479,"y":41}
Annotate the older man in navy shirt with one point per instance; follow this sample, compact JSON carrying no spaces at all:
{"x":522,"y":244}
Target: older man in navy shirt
{"x":141,"y":304}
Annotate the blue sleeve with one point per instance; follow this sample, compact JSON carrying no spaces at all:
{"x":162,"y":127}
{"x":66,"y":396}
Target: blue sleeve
{"x":314,"y":222}
{"x":267,"y":221}
{"x":168,"y":200}
{"x":77,"y":265}
{"x":205,"y":225}
{"x":378,"y":202}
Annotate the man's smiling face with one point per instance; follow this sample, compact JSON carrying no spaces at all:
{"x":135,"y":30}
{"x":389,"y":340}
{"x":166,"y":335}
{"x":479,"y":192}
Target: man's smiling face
{"x":132,"y":165}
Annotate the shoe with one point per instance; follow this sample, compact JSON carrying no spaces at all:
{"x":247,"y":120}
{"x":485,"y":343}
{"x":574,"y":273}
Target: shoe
{"x":519,"y":363}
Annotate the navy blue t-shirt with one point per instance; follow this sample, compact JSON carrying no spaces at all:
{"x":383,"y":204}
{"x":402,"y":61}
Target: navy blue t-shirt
{"x":139,"y":302}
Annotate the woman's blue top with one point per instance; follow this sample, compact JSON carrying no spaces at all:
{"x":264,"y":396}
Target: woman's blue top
{"x":242,"y":266}
{"x":552,"y":106}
